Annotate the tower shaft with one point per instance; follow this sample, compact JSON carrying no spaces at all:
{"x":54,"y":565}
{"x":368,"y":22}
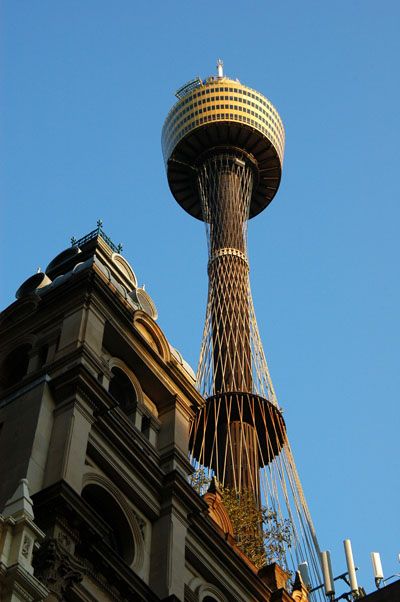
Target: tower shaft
{"x":225,"y":183}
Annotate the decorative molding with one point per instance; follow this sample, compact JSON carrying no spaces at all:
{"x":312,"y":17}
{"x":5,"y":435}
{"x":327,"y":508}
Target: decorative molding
{"x":25,"y":339}
{"x":64,"y":541}
{"x":142,"y":524}
{"x":197,"y":590}
{"x":97,"y":576}
{"x":95,"y":477}
{"x":218,"y":513}
{"x":152,"y":333}
{"x":190,"y":595}
{"x":26,"y":546}
{"x":125,"y":268}
{"x":19,"y":310}
{"x":115,"y":362}
{"x":21,"y":592}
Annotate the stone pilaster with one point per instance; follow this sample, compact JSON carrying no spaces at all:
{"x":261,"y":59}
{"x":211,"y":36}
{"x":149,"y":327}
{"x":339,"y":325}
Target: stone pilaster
{"x":19,"y":536}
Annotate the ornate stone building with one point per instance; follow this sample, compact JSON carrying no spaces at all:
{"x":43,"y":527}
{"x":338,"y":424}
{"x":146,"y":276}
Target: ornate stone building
{"x":95,"y":409}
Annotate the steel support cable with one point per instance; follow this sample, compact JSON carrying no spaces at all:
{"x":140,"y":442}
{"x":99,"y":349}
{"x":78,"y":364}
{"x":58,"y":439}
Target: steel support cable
{"x":233,"y":485}
{"x":303,"y":550}
{"x":309,"y":552}
{"x":204,"y":417}
{"x":255,"y":486}
{"x":216,"y":438}
{"x":269,"y":463}
{"x":281,"y":473}
{"x":299,"y":489}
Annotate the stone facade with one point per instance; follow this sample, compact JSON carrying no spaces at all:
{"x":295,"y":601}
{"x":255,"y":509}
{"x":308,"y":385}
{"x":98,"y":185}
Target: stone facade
{"x":95,"y":411}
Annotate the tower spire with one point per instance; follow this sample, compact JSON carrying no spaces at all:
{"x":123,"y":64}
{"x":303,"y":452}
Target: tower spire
{"x":223,"y":147}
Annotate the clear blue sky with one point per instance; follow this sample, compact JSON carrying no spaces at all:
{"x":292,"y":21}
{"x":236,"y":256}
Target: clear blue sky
{"x":85,"y":89}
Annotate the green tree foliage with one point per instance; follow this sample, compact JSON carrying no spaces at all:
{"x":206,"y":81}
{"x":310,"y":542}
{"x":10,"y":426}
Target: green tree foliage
{"x":200,"y":481}
{"x":259,"y":533}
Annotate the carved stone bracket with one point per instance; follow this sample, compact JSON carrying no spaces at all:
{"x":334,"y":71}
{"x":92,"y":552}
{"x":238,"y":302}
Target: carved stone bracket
{"x":56,"y":568}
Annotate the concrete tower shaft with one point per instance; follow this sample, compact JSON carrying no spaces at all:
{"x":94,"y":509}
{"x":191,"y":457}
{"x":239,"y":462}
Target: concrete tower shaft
{"x":225,"y":185}
{"x":225,"y":182}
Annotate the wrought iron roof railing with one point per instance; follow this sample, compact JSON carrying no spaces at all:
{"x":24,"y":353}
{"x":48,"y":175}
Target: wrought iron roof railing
{"x":95,"y":234}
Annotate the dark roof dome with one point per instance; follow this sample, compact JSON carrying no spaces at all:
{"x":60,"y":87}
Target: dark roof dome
{"x":62,"y":257}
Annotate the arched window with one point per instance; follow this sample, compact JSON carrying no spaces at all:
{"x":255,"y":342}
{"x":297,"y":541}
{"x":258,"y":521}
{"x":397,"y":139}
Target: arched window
{"x":119,"y":535}
{"x":122,"y":390}
{"x":15,"y":366}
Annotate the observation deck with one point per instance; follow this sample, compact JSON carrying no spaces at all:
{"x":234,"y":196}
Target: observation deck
{"x":221,"y":114}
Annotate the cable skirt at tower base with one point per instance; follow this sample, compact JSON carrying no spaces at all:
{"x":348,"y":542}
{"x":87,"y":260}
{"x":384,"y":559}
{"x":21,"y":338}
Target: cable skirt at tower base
{"x":210,"y":431}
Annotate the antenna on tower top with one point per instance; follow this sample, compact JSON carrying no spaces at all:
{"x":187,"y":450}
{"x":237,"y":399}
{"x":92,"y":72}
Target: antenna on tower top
{"x":220,"y":68}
